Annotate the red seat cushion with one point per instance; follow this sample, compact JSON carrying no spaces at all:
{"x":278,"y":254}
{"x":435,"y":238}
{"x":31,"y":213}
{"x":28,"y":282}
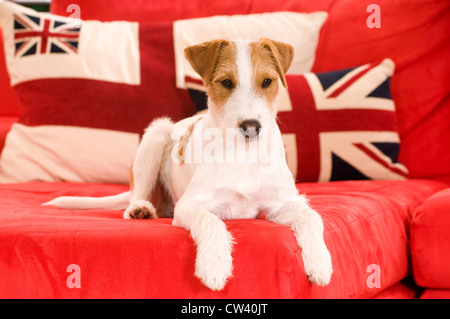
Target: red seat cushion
{"x":430,"y":241}
{"x":435,"y":294}
{"x":366,"y":231}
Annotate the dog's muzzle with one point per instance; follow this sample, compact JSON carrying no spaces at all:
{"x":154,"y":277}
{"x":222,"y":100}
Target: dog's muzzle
{"x":250,"y":128}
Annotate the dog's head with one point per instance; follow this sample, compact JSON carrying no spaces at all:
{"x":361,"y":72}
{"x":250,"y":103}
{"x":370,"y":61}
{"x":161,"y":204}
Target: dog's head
{"x":242,"y":80}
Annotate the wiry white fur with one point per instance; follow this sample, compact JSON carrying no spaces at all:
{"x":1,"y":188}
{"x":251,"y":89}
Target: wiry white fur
{"x":206,"y":193}
{"x":146,"y":172}
{"x":245,"y":103}
{"x":120,"y":201}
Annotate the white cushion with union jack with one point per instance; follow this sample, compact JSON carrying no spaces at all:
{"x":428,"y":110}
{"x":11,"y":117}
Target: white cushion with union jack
{"x":337,"y":125}
{"x":43,"y":45}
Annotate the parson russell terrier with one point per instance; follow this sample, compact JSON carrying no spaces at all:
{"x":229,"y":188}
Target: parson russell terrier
{"x":193,"y":168}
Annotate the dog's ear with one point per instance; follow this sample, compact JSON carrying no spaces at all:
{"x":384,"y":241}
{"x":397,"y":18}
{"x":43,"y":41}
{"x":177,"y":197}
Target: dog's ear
{"x":203,"y":57}
{"x":282,"y":54}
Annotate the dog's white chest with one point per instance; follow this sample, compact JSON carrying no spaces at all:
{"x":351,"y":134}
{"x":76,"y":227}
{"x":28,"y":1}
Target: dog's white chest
{"x":231,"y":204}
{"x":232,"y":191}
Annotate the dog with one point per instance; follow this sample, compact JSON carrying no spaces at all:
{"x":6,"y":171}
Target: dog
{"x":242,"y":79}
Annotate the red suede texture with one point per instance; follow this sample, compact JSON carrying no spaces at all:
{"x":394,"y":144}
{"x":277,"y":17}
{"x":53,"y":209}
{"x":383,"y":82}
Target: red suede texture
{"x":435,"y":294}
{"x":406,"y":289}
{"x":430,"y":241}
{"x":366,"y":223}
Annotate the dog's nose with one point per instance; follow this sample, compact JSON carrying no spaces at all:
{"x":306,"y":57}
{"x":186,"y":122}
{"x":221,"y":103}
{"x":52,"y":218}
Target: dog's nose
{"x":250,"y":128}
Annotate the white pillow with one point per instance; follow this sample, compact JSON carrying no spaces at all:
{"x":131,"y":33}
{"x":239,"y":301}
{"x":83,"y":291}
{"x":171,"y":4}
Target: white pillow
{"x":301,"y":30}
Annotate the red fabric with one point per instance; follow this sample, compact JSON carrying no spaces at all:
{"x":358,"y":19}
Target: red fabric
{"x":150,"y":10}
{"x":435,"y":294}
{"x":406,"y":289}
{"x":5,"y":126}
{"x":430,"y":241}
{"x":9,"y":105}
{"x":413,"y":34}
{"x":366,"y":223}
{"x":109,"y":105}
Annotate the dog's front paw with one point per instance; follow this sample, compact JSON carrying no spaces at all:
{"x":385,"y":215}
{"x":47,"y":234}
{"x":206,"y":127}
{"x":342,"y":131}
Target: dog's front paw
{"x":214,"y":269}
{"x":214,"y":262}
{"x":318,"y":266}
{"x":140,"y":209}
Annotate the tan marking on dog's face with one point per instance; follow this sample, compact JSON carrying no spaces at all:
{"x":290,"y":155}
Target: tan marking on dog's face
{"x":265,"y":74}
{"x":282,"y":55}
{"x":215,"y":62}
{"x":224,"y":78}
{"x":203,"y":57}
{"x":258,"y":65}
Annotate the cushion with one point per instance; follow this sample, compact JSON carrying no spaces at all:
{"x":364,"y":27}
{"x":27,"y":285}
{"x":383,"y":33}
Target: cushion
{"x":405,"y":289}
{"x":89,"y":91}
{"x":338,"y":125}
{"x":8,"y":105}
{"x":86,"y":98}
{"x":298,"y":29}
{"x":435,"y":294}
{"x":366,"y":229}
{"x":430,"y":241}
{"x":416,"y":39}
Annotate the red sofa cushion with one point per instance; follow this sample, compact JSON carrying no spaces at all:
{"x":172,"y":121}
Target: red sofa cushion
{"x":435,"y":294}
{"x":366,"y":231}
{"x":405,"y":289}
{"x":430,"y":241}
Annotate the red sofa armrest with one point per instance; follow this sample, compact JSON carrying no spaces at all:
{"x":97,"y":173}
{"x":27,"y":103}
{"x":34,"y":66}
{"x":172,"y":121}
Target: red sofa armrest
{"x":430,"y":241}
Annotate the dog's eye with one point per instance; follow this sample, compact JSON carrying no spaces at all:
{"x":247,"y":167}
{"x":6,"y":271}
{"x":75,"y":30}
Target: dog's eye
{"x":227,"y":84}
{"x":266,"y":83}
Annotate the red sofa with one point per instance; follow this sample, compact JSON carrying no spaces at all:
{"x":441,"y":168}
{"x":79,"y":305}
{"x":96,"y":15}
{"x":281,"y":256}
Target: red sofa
{"x":387,"y":239}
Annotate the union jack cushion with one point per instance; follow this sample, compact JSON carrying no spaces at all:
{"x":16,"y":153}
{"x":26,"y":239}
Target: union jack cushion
{"x":337,"y":125}
{"x":88,"y":89}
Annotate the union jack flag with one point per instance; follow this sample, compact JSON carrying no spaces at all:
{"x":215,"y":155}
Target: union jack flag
{"x":344,"y":124}
{"x":38,"y":35}
{"x":337,"y":125}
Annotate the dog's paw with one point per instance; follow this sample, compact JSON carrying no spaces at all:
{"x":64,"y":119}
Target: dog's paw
{"x":318,"y":266}
{"x":214,"y":270}
{"x":140,"y":209}
{"x":214,"y":262}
